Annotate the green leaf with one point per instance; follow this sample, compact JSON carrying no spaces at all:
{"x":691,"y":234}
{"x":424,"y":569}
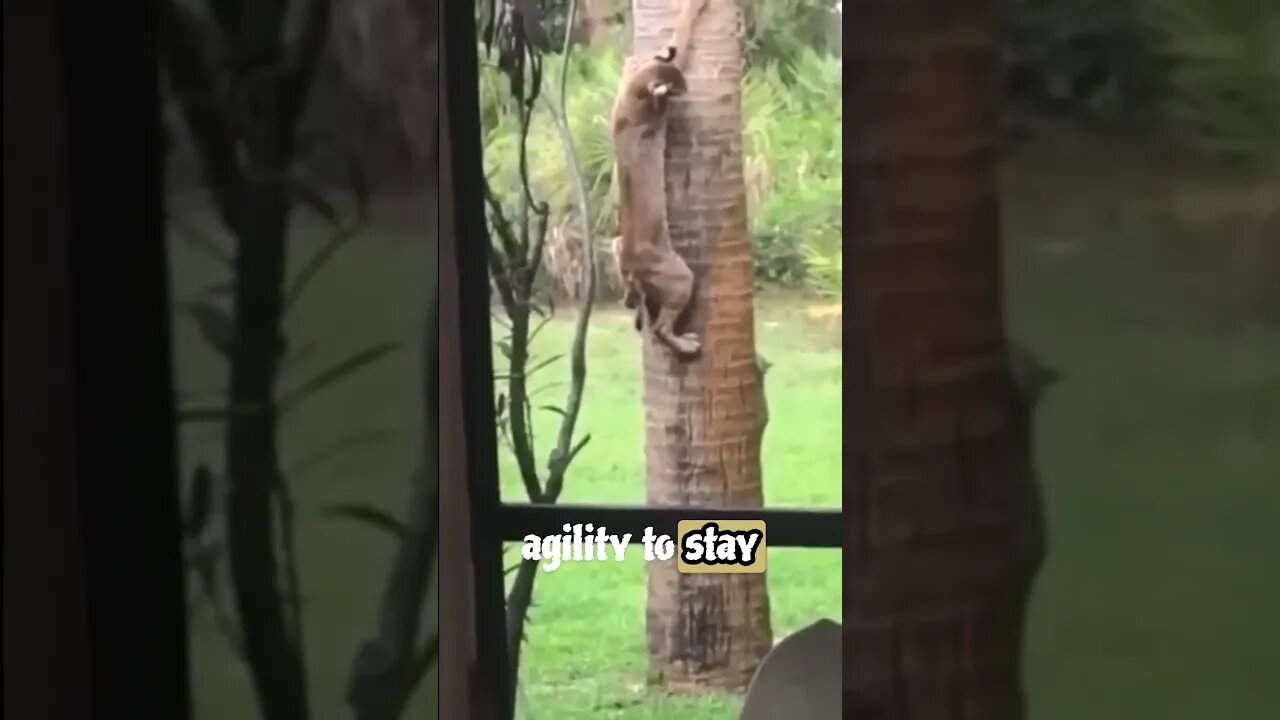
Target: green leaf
{"x":295,"y":357}
{"x":337,"y":372}
{"x":544,"y":388}
{"x":430,"y":650}
{"x":368,"y":515}
{"x":223,"y":287}
{"x":314,"y":200}
{"x":199,"y":241}
{"x":538,"y":328}
{"x":216,"y":326}
{"x":317,"y":263}
{"x":344,"y":444}
{"x":543,"y":364}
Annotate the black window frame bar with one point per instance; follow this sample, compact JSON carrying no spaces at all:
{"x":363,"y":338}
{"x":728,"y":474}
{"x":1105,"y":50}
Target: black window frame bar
{"x":787,"y":527}
{"x":494,"y":522}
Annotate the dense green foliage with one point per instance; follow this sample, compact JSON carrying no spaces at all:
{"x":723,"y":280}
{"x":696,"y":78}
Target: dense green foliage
{"x":792,"y":148}
{"x":779,"y":30}
{"x":1223,"y":73}
{"x":589,"y":90}
{"x":791,"y":153}
{"x":1206,"y":71}
{"x":1078,"y":57}
{"x":1203,"y":73}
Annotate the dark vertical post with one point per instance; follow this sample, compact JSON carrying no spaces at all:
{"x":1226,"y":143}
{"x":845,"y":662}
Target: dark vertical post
{"x":121,"y":377}
{"x":46,"y":642}
{"x":468,"y":233}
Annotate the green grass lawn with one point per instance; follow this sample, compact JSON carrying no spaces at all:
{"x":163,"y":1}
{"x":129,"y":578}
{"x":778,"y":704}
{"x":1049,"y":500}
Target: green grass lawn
{"x":586,"y":656}
{"x":1160,"y":452}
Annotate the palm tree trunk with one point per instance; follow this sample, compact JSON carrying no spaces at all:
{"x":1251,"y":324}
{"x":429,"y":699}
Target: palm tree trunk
{"x":702,"y":439}
{"x":592,"y":24}
{"x":944,"y":535}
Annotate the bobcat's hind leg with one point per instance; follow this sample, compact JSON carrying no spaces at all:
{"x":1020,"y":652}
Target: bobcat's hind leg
{"x":687,"y":344}
{"x":674,"y":290}
{"x":631,"y":298}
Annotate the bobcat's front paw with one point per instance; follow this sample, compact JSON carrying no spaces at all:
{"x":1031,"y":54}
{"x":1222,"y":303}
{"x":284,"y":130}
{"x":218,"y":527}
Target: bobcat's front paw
{"x":687,"y":344}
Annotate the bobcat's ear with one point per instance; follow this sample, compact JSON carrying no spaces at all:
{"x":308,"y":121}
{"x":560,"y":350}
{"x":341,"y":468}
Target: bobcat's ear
{"x":659,"y":89}
{"x":667,"y":54}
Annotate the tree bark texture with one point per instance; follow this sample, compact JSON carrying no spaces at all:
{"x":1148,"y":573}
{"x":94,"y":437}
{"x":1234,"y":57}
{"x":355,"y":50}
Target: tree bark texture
{"x":943,"y":528}
{"x":702,"y":432}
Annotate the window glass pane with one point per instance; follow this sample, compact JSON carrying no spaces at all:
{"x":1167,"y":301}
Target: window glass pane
{"x":720,"y":385}
{"x":302,"y":262}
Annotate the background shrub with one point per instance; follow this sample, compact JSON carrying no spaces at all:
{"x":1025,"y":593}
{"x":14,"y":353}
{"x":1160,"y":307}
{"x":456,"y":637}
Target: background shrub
{"x":1205,"y":73}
